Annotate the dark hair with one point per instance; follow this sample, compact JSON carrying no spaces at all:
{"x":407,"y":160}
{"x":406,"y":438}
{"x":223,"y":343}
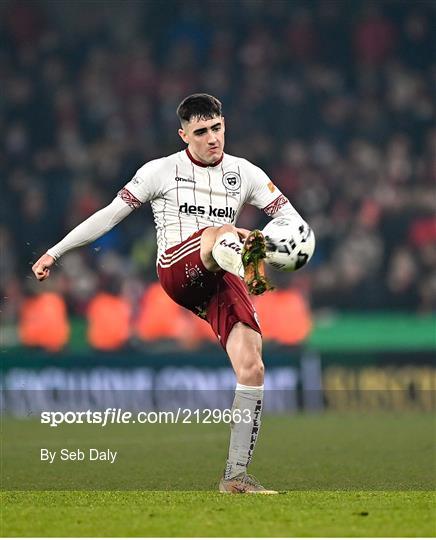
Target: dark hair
{"x":201,"y":106}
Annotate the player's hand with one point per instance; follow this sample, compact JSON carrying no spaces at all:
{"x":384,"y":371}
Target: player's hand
{"x":243,"y":233}
{"x":41,"y":268}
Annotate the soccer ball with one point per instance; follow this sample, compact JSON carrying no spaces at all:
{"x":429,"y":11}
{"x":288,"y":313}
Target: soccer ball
{"x":290,"y":243}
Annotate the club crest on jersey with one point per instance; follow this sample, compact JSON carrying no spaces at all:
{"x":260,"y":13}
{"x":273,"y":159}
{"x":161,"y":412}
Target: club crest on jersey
{"x":194,"y":275}
{"x":232,"y":181}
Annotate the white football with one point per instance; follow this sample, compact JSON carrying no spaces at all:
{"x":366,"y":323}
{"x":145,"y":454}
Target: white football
{"x":290,"y":243}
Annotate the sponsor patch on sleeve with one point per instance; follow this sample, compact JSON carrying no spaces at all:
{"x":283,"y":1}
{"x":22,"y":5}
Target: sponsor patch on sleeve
{"x":129,"y":198}
{"x":271,"y":187}
{"x":275,"y":206}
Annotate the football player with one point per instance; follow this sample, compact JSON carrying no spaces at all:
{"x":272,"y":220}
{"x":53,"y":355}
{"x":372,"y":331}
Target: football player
{"x":204,"y":262}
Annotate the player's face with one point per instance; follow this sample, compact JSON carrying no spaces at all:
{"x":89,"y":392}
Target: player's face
{"x":205,"y":138}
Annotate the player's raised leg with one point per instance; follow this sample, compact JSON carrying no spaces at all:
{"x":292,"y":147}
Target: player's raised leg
{"x":244,"y":347}
{"x":222,"y":249}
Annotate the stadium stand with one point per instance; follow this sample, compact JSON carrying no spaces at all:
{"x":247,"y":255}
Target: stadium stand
{"x":345,"y":129}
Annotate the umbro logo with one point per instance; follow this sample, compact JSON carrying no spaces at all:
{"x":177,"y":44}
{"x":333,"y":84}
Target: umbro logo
{"x":180,"y":179}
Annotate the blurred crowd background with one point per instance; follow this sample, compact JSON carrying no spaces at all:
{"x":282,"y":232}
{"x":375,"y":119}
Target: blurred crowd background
{"x":333,"y":99}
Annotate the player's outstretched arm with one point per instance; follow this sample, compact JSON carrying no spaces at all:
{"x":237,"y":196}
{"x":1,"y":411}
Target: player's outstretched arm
{"x":85,"y":233}
{"x":41,"y":268}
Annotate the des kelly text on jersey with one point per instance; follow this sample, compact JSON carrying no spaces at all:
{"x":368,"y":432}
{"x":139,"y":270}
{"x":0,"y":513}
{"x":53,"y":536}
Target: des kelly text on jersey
{"x":210,"y":211}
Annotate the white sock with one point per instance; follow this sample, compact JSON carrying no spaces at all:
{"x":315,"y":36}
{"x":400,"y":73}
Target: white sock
{"x":227,"y":252}
{"x":243,"y":436}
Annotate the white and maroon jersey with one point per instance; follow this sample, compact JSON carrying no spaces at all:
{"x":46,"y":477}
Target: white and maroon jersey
{"x":186,"y":195}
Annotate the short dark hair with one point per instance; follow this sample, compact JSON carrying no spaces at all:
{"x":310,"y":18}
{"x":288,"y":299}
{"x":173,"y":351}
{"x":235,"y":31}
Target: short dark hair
{"x":202,"y":106}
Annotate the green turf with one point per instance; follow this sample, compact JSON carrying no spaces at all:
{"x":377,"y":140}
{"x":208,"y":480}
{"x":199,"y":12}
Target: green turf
{"x":213,"y":514}
{"x":301,"y":452}
{"x":343,"y":475}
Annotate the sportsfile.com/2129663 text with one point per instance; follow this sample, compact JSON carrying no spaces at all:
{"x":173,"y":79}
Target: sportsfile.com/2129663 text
{"x":118,"y":416}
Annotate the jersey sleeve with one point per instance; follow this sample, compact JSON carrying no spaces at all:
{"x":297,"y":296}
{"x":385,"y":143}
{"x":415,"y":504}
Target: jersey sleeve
{"x":144,"y":186}
{"x":265,"y":195}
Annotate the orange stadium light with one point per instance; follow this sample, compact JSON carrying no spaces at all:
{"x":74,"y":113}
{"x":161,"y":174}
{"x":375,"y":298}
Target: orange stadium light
{"x":294,"y":323}
{"x":44,"y":323}
{"x":108,"y":322}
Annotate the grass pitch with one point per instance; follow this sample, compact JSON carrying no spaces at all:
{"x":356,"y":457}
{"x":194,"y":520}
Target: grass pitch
{"x":206,"y":513}
{"x":341,"y":475}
